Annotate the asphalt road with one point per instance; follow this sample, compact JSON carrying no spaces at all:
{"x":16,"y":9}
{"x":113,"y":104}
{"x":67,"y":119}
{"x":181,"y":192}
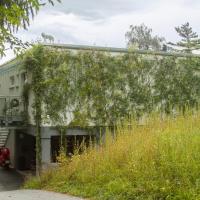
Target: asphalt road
{"x":10,"y":183}
{"x":9,"y":180}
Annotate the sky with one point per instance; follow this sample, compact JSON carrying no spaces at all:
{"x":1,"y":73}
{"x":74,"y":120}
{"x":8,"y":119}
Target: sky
{"x":105,"y":22}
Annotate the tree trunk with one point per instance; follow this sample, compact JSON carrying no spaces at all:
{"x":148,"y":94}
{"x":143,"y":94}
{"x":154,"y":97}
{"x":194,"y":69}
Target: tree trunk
{"x":62,"y":131}
{"x":38,"y":136}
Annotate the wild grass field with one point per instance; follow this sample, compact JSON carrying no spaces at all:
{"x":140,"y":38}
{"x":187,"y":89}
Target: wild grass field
{"x":156,"y":161}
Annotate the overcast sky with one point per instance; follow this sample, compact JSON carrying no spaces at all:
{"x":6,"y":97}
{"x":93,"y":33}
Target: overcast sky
{"x":105,"y":22}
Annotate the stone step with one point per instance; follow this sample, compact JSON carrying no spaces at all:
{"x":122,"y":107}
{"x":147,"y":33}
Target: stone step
{"x":3,"y":136}
{"x":3,"y":139}
{"x":3,"y":129}
{"x":4,"y":132}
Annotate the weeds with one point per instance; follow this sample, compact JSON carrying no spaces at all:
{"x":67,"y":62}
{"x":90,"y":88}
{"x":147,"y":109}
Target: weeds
{"x":156,"y":161}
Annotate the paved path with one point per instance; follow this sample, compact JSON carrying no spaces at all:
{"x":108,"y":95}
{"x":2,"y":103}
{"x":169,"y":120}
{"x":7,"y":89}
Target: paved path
{"x":9,"y":180}
{"x":10,"y":183}
{"x":34,"y":195}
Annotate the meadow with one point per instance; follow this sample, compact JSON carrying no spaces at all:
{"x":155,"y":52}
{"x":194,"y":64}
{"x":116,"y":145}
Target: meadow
{"x":159,"y":160}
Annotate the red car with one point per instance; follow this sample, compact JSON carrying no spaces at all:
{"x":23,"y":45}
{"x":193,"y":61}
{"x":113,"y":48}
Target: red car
{"x":4,"y":157}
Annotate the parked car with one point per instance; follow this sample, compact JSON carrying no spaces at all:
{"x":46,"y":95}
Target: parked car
{"x":4,"y":157}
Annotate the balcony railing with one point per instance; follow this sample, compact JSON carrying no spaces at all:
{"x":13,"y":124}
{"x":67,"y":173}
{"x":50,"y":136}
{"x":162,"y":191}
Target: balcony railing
{"x":11,"y":110}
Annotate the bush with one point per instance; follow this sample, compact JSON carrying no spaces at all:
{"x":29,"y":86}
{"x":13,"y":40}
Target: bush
{"x":159,"y":160}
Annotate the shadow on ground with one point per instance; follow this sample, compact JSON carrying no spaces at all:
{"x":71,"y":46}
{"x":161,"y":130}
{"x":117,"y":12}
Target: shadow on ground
{"x":10,"y":180}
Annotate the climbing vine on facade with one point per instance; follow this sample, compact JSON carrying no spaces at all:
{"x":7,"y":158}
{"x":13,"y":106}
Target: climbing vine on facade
{"x":98,"y":88}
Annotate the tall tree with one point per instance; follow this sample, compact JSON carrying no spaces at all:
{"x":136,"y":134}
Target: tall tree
{"x":141,"y":37}
{"x":189,"y":39}
{"x":14,"y":15}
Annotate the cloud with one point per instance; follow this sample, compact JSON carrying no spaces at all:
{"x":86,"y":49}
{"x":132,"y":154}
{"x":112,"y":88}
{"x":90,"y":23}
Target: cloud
{"x":105,"y":22}
{"x":74,"y":28}
{"x":91,"y":9}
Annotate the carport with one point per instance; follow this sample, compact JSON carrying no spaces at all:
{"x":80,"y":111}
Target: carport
{"x":22,"y":148}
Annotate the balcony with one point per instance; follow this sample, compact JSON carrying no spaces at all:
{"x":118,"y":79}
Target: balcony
{"x":11,"y":110}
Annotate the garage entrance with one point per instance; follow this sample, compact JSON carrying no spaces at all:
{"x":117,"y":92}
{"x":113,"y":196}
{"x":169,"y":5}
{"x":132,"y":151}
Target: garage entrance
{"x":72,"y":143}
{"x":25,"y":151}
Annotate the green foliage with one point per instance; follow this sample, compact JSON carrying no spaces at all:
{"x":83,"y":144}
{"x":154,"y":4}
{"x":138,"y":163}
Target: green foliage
{"x":33,"y":63}
{"x":189,"y":40}
{"x":97,"y":88}
{"x":141,"y":37}
{"x":14,"y":15}
{"x":159,"y":160}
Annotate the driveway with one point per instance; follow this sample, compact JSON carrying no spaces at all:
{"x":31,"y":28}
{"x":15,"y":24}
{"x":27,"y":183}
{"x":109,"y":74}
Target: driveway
{"x":34,"y":195}
{"x":10,"y":183}
{"x":9,"y":180}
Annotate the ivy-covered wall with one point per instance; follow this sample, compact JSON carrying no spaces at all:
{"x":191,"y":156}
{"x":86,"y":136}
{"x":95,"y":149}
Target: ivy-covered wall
{"x":89,"y":87}
{"x":98,"y":88}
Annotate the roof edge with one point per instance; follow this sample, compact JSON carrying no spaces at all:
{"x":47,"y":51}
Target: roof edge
{"x":111,"y":49}
{"x":8,"y":62}
{"x":119,"y":50}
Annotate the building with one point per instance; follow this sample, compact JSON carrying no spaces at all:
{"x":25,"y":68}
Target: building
{"x":20,"y":138}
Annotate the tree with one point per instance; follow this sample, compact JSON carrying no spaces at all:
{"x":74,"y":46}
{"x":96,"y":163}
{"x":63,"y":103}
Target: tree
{"x":14,"y":15}
{"x":141,"y":37}
{"x":190,"y":40}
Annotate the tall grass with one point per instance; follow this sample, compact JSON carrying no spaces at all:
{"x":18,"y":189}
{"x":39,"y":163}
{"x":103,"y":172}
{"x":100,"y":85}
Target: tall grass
{"x":156,"y":161}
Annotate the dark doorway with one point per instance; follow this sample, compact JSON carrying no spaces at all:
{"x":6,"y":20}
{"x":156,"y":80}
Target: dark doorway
{"x":25,"y":151}
{"x":73,"y":144}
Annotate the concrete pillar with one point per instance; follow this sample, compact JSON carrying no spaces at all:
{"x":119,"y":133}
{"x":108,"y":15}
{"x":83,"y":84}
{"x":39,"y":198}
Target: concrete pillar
{"x":46,"y":150}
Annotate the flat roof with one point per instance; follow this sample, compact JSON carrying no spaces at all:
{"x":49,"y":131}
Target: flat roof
{"x":113,"y":50}
{"x":119,"y":50}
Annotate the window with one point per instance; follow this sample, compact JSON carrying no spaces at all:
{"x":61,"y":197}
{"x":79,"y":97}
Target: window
{"x":11,"y":90}
{"x":17,"y":89}
{"x":12,"y":80}
{"x":17,"y":78}
{"x":23,"y":77}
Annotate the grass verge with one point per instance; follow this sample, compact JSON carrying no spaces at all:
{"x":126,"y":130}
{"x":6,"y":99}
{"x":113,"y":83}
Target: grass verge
{"x":157,"y":161}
